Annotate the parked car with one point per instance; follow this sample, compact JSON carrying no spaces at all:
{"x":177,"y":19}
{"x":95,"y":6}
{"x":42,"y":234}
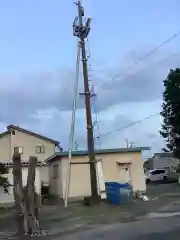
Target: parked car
{"x":156,"y":175}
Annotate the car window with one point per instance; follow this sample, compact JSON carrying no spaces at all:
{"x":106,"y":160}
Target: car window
{"x":158,"y":172}
{"x":161,"y":171}
{"x":154,"y":172}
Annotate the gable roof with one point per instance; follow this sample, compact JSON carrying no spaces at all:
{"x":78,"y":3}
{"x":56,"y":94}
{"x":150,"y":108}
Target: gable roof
{"x":4,"y":134}
{"x":100,"y":151}
{"x":12,"y":127}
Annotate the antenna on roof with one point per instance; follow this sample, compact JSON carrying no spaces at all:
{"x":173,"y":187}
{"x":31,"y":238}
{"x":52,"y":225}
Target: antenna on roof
{"x":76,"y":145}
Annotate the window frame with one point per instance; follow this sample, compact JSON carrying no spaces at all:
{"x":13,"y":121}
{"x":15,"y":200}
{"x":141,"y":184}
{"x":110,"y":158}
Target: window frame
{"x":19,"y":148}
{"x":40,"y":149}
{"x":13,"y":132}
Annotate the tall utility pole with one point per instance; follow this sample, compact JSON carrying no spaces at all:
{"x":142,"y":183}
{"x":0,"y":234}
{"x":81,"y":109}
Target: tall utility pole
{"x":127,"y":142}
{"x":81,"y":31}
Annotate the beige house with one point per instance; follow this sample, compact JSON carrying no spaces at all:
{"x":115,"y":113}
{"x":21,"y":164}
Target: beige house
{"x":124,"y":165}
{"x":29,"y":144}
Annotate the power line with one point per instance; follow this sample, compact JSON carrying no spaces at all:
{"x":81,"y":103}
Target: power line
{"x":130,"y":125}
{"x":144,"y":57}
{"x":174,"y":54}
{"x":154,"y":63}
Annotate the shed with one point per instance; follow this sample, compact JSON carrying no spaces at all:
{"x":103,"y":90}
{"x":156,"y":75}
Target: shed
{"x":122,"y":165}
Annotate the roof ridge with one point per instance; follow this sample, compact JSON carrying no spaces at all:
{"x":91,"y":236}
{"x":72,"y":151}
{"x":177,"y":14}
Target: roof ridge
{"x":32,"y":133}
{"x":100,"y":151}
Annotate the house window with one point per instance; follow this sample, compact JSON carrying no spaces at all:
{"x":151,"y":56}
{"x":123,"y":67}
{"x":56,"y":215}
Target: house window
{"x":18,"y":150}
{"x":55,"y":173}
{"x":40,"y":149}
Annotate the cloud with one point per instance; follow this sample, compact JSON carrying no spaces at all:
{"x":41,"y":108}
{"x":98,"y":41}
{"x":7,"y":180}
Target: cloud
{"x":142,"y":83}
{"x":141,"y":135}
{"x":118,"y":124}
{"x":22,"y":96}
{"x":43,"y":102}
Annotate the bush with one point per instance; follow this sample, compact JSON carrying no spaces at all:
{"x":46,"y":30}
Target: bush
{"x":3,"y":170}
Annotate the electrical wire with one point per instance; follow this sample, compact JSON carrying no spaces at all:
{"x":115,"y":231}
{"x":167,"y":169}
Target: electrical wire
{"x":71,"y":136}
{"x":130,"y":125}
{"x":155,"y":63}
{"x":174,"y":54}
{"x":144,"y":57}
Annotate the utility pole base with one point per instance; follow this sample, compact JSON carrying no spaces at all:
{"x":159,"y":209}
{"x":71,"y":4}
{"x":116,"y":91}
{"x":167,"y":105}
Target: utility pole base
{"x":90,"y":201}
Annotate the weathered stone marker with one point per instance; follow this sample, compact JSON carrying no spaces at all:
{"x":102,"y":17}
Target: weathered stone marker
{"x":27,"y":200}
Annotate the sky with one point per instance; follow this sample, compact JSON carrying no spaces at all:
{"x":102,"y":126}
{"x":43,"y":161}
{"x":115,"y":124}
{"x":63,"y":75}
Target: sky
{"x":38,"y":59}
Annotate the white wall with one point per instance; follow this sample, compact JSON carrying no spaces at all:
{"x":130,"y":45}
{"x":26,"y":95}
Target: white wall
{"x":5,"y":148}
{"x":5,"y":198}
{"x":8,"y":198}
{"x":56,"y":184}
{"x":44,"y":172}
{"x":162,"y":162}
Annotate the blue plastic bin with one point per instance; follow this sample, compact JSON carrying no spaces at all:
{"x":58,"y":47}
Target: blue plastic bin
{"x":116,"y":192}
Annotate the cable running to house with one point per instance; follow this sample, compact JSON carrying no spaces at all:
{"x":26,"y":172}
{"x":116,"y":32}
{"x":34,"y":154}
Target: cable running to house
{"x":71,"y":136}
{"x":130,"y":125}
{"x":144,"y":57}
{"x":174,"y":54}
{"x":155,"y":63}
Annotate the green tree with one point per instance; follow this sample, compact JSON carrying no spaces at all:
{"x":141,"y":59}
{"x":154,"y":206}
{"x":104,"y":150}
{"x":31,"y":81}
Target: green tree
{"x":3,"y":170}
{"x":171,"y":112}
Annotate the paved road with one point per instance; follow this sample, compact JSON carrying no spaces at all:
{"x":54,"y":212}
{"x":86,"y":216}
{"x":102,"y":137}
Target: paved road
{"x":159,"y":228}
{"x":167,"y":203}
{"x":147,"y":229}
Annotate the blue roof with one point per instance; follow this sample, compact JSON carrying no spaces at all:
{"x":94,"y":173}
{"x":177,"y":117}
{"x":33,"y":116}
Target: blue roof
{"x":100,"y":151}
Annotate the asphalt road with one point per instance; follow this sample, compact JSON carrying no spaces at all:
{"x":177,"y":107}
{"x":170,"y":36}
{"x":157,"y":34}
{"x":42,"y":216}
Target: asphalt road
{"x":146,"y":229}
{"x":159,"y":228}
{"x":138,"y":226}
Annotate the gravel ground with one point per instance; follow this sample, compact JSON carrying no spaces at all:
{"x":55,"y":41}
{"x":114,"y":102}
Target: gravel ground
{"x":57,"y":220}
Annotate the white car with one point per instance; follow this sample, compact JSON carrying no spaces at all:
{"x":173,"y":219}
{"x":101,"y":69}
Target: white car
{"x":155,"y":175}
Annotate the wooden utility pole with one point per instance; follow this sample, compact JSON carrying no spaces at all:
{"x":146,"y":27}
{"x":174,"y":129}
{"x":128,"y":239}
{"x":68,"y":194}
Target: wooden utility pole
{"x":81,"y":31}
{"x":31,"y":194}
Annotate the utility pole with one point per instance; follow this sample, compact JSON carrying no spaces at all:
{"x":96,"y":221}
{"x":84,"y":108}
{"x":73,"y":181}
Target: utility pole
{"x":76,"y":146}
{"x":127,"y":142}
{"x":81,"y":31}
